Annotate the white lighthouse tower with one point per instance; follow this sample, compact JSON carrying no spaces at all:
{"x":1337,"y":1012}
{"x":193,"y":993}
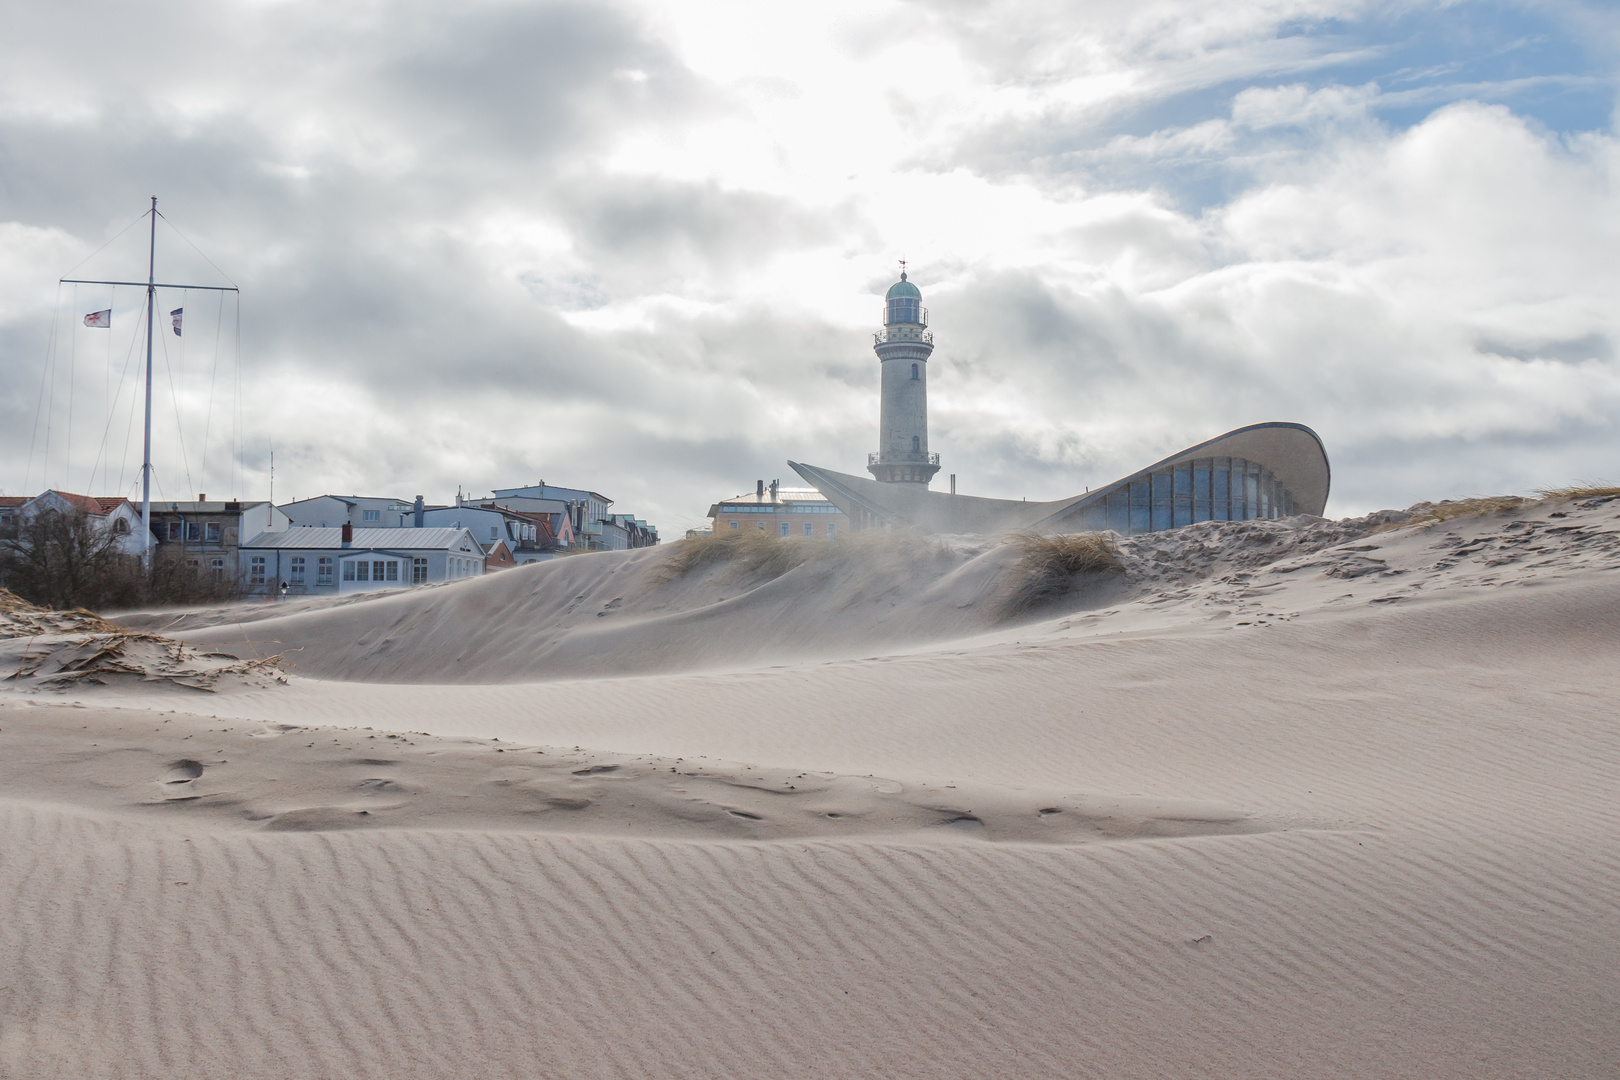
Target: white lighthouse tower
{"x":903,"y":347}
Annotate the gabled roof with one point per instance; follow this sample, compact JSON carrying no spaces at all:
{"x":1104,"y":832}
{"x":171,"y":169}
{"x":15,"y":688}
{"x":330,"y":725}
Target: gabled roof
{"x":308,"y":539}
{"x":99,"y":505}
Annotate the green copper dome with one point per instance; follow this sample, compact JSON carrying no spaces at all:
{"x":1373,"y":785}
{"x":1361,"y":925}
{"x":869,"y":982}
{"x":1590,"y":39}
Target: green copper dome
{"x":903,"y":288}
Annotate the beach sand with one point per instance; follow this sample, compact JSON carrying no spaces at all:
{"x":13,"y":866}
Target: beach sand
{"x":1278,"y":799}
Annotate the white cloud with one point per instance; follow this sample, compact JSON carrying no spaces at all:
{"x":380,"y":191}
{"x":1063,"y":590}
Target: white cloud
{"x":640,"y":248}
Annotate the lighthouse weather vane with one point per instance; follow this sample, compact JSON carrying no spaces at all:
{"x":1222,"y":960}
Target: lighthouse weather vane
{"x":104,"y":319}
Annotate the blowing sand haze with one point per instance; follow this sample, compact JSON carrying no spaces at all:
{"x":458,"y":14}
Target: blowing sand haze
{"x":1289,"y":798}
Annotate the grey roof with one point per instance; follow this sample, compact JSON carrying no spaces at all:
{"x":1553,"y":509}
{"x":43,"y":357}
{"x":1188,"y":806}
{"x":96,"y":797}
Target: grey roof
{"x":364,"y":539}
{"x":212,"y":506}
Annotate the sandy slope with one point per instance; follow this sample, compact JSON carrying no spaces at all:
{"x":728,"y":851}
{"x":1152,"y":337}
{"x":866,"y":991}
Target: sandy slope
{"x":1343,"y":804}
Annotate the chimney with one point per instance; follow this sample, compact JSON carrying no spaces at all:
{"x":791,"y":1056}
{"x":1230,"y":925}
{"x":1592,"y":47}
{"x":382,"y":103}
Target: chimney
{"x":775,"y":486}
{"x":419,"y":511}
{"x":202,"y":497}
{"x":348,"y":533}
{"x":953,"y":483}
{"x":759,"y":490}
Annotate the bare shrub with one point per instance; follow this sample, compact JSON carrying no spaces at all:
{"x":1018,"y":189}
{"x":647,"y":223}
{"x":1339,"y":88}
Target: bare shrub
{"x":1047,"y":566}
{"x":64,"y":561}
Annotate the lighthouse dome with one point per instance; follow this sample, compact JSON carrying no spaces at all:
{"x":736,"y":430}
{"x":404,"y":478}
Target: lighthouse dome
{"x":903,"y":289}
{"x":903,"y":304}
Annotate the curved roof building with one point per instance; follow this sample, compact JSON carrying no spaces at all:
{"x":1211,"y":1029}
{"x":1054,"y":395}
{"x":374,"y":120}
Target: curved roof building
{"x":1269,"y":470}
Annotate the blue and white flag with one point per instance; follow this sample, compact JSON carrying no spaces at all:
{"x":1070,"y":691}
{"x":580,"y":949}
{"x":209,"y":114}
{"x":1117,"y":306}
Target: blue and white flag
{"x":175,"y":315}
{"x":99,"y":318}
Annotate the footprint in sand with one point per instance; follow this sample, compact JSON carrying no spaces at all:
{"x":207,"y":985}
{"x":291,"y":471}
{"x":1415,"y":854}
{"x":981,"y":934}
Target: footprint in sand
{"x":180,"y":781}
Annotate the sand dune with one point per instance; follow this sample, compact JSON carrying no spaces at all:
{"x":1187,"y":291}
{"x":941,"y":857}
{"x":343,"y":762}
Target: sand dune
{"x":1332,"y":800}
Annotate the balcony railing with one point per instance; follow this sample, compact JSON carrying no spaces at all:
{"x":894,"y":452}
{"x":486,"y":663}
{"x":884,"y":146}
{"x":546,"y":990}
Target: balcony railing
{"x":902,"y":333}
{"x":902,"y":459}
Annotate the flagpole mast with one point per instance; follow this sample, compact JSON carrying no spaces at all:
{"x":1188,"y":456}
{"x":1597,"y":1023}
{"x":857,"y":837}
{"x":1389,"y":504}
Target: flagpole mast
{"x":146,"y":456}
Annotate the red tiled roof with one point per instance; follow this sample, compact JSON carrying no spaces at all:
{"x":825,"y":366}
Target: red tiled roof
{"x":92,"y":504}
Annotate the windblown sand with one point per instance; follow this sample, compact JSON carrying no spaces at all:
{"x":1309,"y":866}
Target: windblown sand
{"x":1281,"y":799}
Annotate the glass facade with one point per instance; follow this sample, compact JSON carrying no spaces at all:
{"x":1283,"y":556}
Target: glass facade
{"x":1202,"y":489}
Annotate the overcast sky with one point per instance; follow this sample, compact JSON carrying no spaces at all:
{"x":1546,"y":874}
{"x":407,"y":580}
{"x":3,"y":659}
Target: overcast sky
{"x":641,"y":248}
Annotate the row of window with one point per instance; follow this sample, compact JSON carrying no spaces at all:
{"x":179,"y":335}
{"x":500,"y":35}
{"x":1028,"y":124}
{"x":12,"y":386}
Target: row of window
{"x":1205,"y":489}
{"x":383,"y":570}
{"x":194,"y":532}
{"x":784,"y":508}
{"x":787,"y":528}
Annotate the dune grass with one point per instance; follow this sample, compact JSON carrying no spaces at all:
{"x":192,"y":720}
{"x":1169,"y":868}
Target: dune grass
{"x":765,"y":556}
{"x":1047,"y":566}
{"x":759,"y":552}
{"x":1424,"y":514}
{"x":1433,"y":513}
{"x":1579,"y":491}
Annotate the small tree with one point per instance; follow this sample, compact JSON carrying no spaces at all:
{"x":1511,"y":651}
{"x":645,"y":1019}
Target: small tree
{"x":63,"y":560}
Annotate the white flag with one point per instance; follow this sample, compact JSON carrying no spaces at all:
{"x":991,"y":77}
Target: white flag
{"x":99,"y":318}
{"x":175,"y":315}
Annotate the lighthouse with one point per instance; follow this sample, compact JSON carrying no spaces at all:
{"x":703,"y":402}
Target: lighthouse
{"x":903,"y":347}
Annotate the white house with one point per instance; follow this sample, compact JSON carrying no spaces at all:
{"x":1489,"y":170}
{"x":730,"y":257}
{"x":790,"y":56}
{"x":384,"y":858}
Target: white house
{"x":116,"y":514}
{"x":491,"y":524}
{"x":363,"y":512}
{"x":346,"y":559}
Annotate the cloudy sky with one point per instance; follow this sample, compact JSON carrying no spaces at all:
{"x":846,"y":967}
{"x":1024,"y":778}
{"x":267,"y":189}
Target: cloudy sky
{"x":641,"y":248}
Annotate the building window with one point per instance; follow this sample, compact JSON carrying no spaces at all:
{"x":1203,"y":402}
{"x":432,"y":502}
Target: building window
{"x":194,"y":532}
{"x":733,"y":524}
{"x":786,"y":528}
{"x":175,"y":530}
{"x":916,"y":444}
{"x":418,"y":571}
{"x":377,"y":570}
{"x":323,"y":570}
{"x":809,"y":529}
{"x":218,"y":567}
{"x":297,"y":570}
{"x":913,"y":371}
{"x":371,"y":515}
{"x":393,"y":570}
{"x":256,"y":570}
{"x":832,"y":529}
{"x":761,"y":525}
{"x":348,"y":571}
{"x":211,"y":532}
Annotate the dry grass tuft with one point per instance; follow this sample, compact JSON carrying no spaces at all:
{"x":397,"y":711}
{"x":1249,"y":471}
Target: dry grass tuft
{"x":1579,"y":491}
{"x":1433,"y":513}
{"x":764,"y":556}
{"x":755,"y":552}
{"x":1047,"y":566}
